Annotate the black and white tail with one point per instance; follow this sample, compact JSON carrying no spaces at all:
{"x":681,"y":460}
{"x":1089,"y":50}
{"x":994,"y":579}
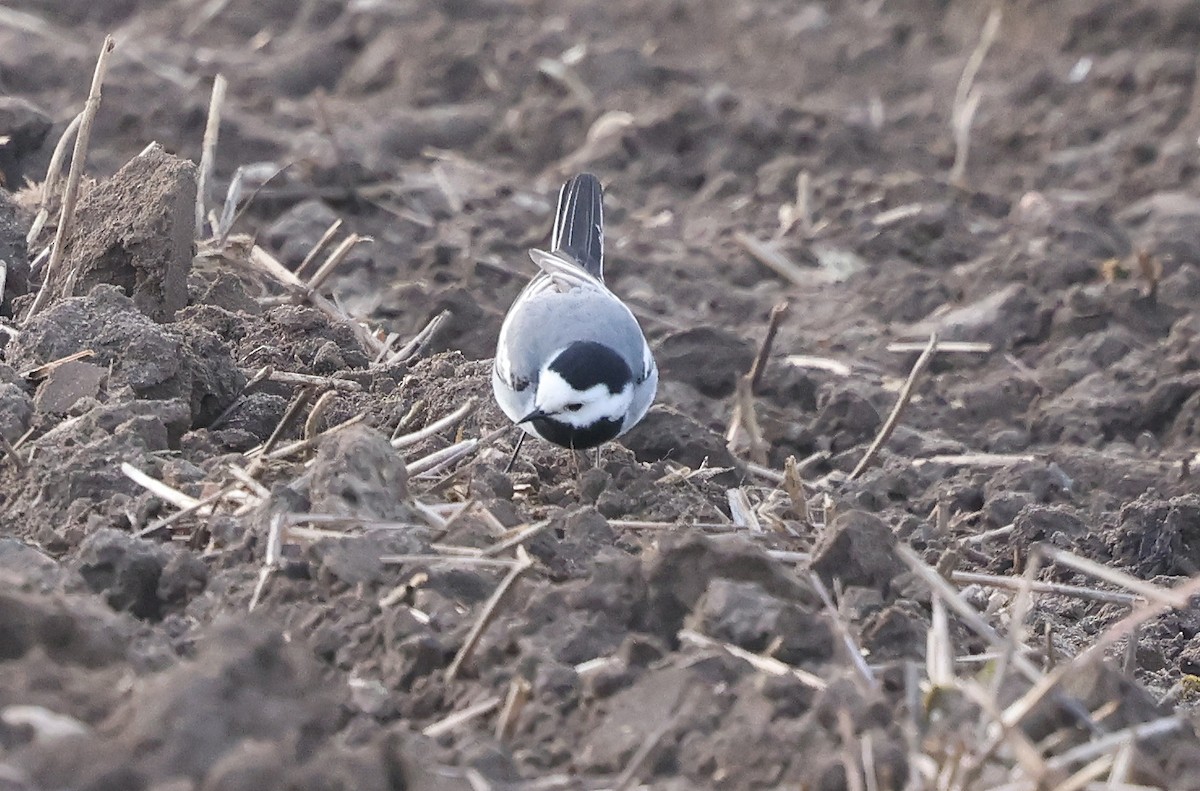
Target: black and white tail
{"x":579,"y":223}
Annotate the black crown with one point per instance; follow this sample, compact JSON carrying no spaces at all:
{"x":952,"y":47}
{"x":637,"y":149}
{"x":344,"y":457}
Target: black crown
{"x":585,"y":364}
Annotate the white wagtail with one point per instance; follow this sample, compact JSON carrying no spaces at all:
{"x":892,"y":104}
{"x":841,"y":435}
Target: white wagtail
{"x":572,"y":365}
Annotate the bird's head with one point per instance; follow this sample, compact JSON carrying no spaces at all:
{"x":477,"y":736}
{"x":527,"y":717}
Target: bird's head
{"x":583,"y":396}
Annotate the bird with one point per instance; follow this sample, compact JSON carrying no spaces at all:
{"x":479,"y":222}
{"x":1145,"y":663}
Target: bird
{"x":572,"y":365}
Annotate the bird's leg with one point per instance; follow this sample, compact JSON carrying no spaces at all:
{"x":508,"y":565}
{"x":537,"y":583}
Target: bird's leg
{"x":516,"y":451}
{"x":598,"y":447}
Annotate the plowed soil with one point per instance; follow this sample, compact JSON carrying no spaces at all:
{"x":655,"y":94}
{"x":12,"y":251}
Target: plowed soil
{"x":181,"y":610}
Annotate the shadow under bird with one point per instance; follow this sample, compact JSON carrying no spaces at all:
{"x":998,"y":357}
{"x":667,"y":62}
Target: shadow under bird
{"x":572,"y":365}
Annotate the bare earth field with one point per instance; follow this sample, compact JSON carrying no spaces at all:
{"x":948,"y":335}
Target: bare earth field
{"x":217,"y":572}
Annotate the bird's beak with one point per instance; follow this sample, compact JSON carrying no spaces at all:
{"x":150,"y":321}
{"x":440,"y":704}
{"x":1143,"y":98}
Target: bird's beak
{"x":534,"y":415}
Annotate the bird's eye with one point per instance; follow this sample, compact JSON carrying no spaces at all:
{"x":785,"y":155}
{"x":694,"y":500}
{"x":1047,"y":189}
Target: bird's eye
{"x":574,"y":407}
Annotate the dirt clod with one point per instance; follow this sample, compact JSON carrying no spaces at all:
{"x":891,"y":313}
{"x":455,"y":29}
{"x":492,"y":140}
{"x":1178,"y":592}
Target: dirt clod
{"x":125,"y":570}
{"x":154,"y":361}
{"x":135,"y":231}
{"x":858,"y":549}
{"x":358,"y":473}
{"x":66,"y":384}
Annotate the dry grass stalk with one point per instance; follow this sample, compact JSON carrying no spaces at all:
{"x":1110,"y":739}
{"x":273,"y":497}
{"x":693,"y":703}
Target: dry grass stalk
{"x":1084,"y":777}
{"x":259,"y":376}
{"x":431,"y":514}
{"x":271,"y":265}
{"x":476,"y":780}
{"x":976,"y":459}
{"x":988,"y":535}
{"x":229,"y":208}
{"x":461,"y":512}
{"x":797,"y":492}
{"x":334,"y":260}
{"x":1021,"y":707}
{"x":1035,"y":586}
{"x":1129,"y":662}
{"x":203,"y":504}
{"x":970,"y":616}
{"x":492,"y":522}
{"x":21,"y":440}
{"x":71,"y":196}
{"x":1150,"y":270}
{"x":260,"y":174}
{"x":44,"y":370}
{"x":385,"y":349}
{"x":766,"y":664}
{"x":246,"y":479}
{"x":11,"y":454}
{"x":636,"y":524}
{"x":25,"y":21}
{"x":453,"y":560}
{"x":50,"y":185}
{"x":800,"y":211}
{"x":39,"y":261}
{"x":290,"y":416}
{"x":774,"y":260}
{"x":1015,"y":645}
{"x":420,"y":341}
{"x":159,"y":489}
{"x":311,"y":256}
{"x":787,"y":556}
{"x":518,"y":538}
{"x":336,"y":520}
{"x":1126,"y":736}
{"x":316,"y":533}
{"x":945,"y":347}
{"x":452,"y":195}
{"x":270,"y":559}
{"x":461,"y":717}
{"x":967,"y":97}
{"x":1023,"y":750}
{"x":939,"y":649}
{"x":300,"y":446}
{"x":759,"y":366}
{"x":436,"y":427}
{"x":1122,"y":765}
{"x":208,"y":154}
{"x":818,"y":364}
{"x":268,"y":372}
{"x":902,"y":400}
{"x":679,"y":474}
{"x":561,"y":72}
{"x":312,"y":424}
{"x":490,"y":608}
{"x":762,"y":471}
{"x":744,"y":433}
{"x":410,"y":416}
{"x":853,"y":652}
{"x":203,"y":16}
{"x":439,"y":460}
{"x":1146,"y":590}
{"x":457,"y":551}
{"x":741,"y":512}
{"x":603,"y":135}
{"x":514,"y":704}
{"x":895,"y":215}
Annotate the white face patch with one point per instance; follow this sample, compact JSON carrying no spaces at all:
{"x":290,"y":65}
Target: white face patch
{"x":557,"y":399}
